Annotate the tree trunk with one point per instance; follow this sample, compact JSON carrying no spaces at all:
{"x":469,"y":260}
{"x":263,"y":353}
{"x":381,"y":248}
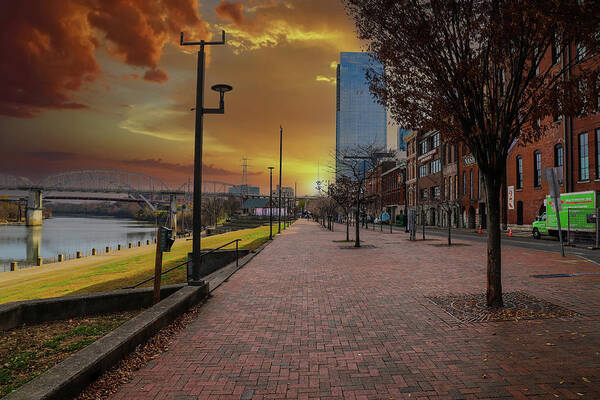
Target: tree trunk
{"x":449,"y":226}
{"x":357,"y":239}
{"x":494,"y":250}
{"x":347,"y":227}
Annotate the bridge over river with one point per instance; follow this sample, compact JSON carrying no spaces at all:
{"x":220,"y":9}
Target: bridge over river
{"x":104,"y":185}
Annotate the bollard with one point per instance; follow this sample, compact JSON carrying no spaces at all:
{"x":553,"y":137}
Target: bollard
{"x":119,"y":247}
{"x":78,"y":254}
{"x":130,"y":245}
{"x":14,"y":266}
{"x":148,"y":241}
{"x":139,"y":243}
{"x":40,"y":261}
{"x":61,"y":258}
{"x":93,"y":252}
{"x":108,"y":249}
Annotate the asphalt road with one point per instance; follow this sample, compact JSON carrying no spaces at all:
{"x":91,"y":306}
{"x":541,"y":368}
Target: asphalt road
{"x":525,"y":242}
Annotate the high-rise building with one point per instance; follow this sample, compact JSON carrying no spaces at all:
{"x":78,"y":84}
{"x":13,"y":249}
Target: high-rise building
{"x":401,"y":144}
{"x":360,"y":120}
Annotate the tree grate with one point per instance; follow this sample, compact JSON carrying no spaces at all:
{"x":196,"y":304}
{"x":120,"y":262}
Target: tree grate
{"x":469,"y":308}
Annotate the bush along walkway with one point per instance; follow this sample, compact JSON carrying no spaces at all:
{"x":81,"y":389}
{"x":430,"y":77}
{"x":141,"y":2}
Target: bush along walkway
{"x":310,"y":317}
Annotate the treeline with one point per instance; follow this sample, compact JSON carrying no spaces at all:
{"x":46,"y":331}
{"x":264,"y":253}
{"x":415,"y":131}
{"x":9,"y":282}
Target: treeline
{"x":213,"y":211}
{"x":104,"y":209}
{"x":9,"y":211}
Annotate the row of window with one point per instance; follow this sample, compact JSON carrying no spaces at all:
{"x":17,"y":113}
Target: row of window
{"x":430,"y":143}
{"x":430,"y":193}
{"x":583,"y":157}
{"x":430,"y":168}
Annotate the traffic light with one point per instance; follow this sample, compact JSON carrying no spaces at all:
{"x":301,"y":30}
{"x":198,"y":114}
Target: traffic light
{"x":165,"y":241}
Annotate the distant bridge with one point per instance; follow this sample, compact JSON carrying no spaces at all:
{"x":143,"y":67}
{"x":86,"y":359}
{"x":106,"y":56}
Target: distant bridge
{"x":135,"y":187}
{"x":106,"y":181}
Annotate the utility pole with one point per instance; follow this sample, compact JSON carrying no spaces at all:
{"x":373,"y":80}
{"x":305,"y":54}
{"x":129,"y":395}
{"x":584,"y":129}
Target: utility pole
{"x":280,"y":155}
{"x":271,"y":203}
{"x":198,"y":140}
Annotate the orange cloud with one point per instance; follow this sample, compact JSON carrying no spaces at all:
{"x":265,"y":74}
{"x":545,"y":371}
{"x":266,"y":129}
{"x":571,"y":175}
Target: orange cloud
{"x":231,"y":11}
{"x":48,"y":46}
{"x":156,"y":75}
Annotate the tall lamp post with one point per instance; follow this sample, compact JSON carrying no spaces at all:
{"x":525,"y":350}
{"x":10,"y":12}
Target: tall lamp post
{"x":280,"y":153}
{"x":200,"y":111}
{"x":271,"y":203}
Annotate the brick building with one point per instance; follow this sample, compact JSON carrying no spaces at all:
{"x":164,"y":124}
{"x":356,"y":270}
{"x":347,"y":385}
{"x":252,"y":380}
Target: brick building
{"x":374,"y":187}
{"x":394,"y":190}
{"x":572,"y":144}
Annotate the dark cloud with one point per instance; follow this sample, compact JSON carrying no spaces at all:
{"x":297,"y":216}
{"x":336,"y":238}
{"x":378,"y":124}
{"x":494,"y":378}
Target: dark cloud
{"x":48,"y":47}
{"x":158,"y":163}
{"x":156,"y":75}
{"x":52,"y":155}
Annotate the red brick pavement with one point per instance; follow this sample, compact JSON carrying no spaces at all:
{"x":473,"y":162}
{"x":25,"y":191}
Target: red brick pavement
{"x":306,"y":319}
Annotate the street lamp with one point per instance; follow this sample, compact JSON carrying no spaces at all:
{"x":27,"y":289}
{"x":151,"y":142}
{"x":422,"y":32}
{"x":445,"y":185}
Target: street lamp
{"x":200,"y":111}
{"x":270,"y":203}
{"x":280,"y":155}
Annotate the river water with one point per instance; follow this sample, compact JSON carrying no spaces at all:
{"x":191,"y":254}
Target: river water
{"x":67,"y":235}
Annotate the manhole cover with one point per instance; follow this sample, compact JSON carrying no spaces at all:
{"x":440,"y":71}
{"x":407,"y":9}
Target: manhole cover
{"x":364,"y":246}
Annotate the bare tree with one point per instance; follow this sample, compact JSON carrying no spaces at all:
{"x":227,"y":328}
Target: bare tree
{"x":473,"y":70}
{"x":341,"y":193}
{"x":353,"y":163}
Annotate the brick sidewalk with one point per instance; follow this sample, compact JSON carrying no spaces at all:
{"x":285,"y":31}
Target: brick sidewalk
{"x":307,"y":319}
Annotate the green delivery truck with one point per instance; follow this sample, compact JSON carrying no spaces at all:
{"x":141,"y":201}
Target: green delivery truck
{"x":578,"y":214}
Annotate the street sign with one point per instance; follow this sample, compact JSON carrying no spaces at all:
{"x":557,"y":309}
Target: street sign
{"x":553,"y":176}
{"x":511,"y":197}
{"x":165,"y":241}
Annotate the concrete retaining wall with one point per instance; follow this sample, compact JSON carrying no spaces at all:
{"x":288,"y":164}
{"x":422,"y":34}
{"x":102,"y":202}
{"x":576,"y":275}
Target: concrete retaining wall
{"x":66,"y":379}
{"x":214,"y":261}
{"x":30,"y":312}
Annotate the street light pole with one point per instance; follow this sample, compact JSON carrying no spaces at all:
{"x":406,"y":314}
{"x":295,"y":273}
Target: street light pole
{"x":280,"y":154}
{"x":271,"y":203}
{"x":198,"y":139}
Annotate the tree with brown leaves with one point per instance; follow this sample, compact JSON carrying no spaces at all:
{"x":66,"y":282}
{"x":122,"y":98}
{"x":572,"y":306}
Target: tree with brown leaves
{"x":473,"y":70}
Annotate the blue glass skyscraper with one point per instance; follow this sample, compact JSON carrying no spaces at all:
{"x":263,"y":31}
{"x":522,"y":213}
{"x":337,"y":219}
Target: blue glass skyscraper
{"x":360,"y":121}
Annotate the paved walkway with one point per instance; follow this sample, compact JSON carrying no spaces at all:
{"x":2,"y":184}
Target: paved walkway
{"x":307,"y":319}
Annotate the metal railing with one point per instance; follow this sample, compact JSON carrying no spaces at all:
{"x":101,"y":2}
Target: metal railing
{"x":236,"y":241}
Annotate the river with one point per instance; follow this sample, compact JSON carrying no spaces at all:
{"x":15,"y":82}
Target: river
{"x":67,"y":235}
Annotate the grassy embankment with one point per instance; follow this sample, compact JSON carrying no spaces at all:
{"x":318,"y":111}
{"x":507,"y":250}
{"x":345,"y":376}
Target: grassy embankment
{"x":126,"y":271}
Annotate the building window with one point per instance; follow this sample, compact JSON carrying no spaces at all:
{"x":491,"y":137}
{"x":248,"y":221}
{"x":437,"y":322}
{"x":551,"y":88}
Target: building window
{"x":424,"y":194}
{"x":558,"y":155}
{"x":537,"y":168}
{"x":436,"y":141}
{"x":580,"y":52}
{"x":584,"y":161}
{"x":472,"y":186}
{"x":423,"y":170}
{"x":597,"y":153}
{"x":519,"y":172}
{"x":435,"y":192}
{"x":436,"y":166}
{"x":556,"y":49}
{"x":423,"y":147}
{"x":479,"y":184}
{"x":464,"y":183}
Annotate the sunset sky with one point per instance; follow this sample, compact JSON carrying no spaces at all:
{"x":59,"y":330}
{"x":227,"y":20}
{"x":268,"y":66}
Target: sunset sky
{"x":104,"y":84}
